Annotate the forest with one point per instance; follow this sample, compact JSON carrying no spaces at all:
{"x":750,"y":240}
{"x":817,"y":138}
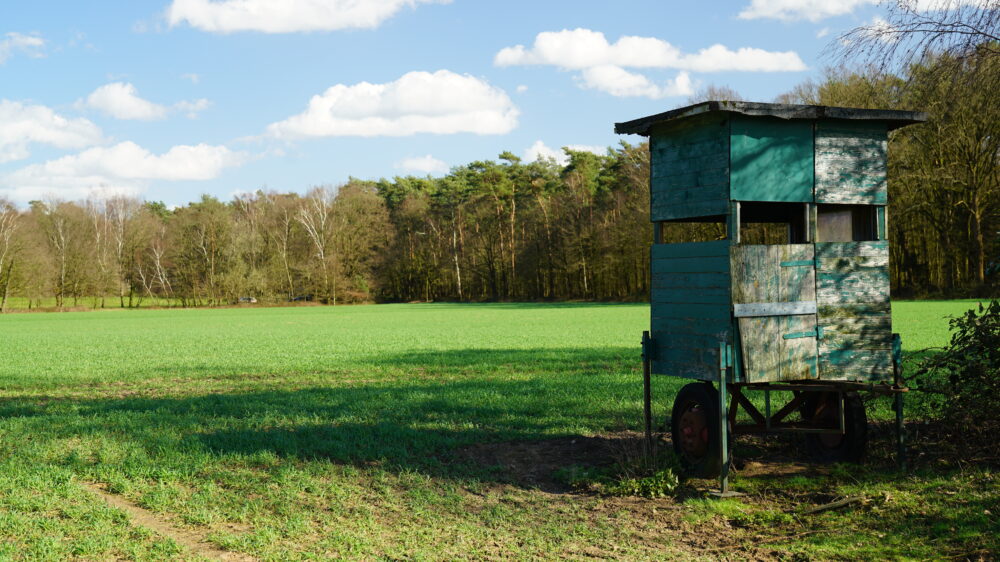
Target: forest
{"x":508,"y":230}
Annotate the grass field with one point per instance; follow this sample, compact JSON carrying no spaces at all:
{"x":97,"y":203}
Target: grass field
{"x":346,"y":432}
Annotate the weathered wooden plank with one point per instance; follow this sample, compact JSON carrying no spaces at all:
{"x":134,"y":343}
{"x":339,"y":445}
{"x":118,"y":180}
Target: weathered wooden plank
{"x":851,"y":162}
{"x":771,"y":159}
{"x":862,"y":285}
{"x":715,"y":248}
{"x":674,"y":280}
{"x":758,"y":275}
{"x":747,"y":310}
{"x":670,"y":340}
{"x":856,"y":364}
{"x":697,"y":295}
{"x":852,"y":310}
{"x":691,"y":310}
{"x":707,"y":181}
{"x":674,"y":325}
{"x":768,"y":356}
{"x":664,"y":198}
{"x":705,"y":208}
{"x":715,"y":158}
{"x":696,"y":371}
{"x":707,"y":264}
{"x":851,"y":249}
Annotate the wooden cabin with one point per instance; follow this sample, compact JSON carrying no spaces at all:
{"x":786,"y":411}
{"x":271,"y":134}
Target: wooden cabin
{"x":788,"y":263}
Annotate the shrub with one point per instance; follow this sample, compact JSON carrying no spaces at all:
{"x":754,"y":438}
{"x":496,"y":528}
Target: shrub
{"x":964,"y":378}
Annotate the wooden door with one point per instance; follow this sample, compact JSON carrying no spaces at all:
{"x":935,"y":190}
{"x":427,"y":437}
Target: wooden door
{"x":774,"y":302}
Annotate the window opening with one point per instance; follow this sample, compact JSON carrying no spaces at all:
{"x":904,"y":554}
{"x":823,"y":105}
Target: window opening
{"x":846,"y":223}
{"x":773,"y":223}
{"x":697,"y":229}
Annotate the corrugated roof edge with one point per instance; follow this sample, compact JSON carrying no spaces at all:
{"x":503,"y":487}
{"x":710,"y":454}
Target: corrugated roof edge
{"x":894,"y":118}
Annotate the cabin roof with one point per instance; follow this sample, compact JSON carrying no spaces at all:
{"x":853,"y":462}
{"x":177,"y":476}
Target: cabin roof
{"x":893,"y":118}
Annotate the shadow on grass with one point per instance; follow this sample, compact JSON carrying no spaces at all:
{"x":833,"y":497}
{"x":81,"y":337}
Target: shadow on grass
{"x":424,"y":422}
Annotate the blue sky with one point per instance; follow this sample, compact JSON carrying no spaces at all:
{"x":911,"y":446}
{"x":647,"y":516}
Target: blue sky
{"x":170,"y":99}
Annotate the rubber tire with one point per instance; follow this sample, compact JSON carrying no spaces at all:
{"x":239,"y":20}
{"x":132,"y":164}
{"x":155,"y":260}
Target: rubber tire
{"x":853,"y":443}
{"x":701,"y":395}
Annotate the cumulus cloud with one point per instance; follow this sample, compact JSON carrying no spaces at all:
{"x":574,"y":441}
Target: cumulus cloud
{"x":579,"y":49}
{"x":22,"y":125}
{"x":13,"y":42}
{"x":619,"y":82}
{"x":441,"y":102}
{"x":285,"y":16}
{"x":540,"y":150}
{"x":123,"y":168}
{"x":121,"y":100}
{"x":794,"y":10}
{"x":422,"y":164}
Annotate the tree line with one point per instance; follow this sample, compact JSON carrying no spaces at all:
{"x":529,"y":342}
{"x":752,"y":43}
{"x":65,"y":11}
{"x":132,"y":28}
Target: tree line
{"x":490,"y":230}
{"x":507,"y":229}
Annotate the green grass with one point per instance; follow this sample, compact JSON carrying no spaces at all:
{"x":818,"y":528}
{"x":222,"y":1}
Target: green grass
{"x":323,"y":432}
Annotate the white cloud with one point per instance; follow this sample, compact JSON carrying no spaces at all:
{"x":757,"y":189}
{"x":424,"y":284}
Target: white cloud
{"x":418,"y":102}
{"x":121,"y":100}
{"x":22,"y":125}
{"x":619,"y":82}
{"x":194,"y":78}
{"x":822,"y":33}
{"x":12,"y":42}
{"x":522,"y":88}
{"x":423,"y":164}
{"x":540,"y":150}
{"x":285,"y":16}
{"x":123,"y":168}
{"x":583,"y":48}
{"x":793,"y":10}
{"x":192,"y":108}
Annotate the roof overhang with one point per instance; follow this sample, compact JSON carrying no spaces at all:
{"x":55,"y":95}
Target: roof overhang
{"x":893,"y":118}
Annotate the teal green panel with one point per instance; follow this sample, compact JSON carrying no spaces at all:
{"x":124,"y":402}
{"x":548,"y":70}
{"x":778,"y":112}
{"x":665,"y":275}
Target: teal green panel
{"x":673,"y":280}
{"x":694,"y":295}
{"x":771,"y":159}
{"x":712,"y":264}
{"x":691,"y":249}
{"x":689,"y":168}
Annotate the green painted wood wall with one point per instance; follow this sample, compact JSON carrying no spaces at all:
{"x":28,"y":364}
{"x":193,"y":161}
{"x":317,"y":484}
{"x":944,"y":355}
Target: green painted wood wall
{"x":851,"y":162}
{"x":852,"y":300}
{"x":771,"y":159}
{"x":698,"y":166}
{"x":689,"y":163}
{"x":690,"y":307}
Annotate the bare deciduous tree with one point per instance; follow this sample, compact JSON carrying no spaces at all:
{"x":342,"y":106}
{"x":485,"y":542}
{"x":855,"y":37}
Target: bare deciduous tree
{"x":912,"y":29}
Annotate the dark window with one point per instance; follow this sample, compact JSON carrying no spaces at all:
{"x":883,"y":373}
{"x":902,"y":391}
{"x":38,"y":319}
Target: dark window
{"x":699,"y":229}
{"x":846,"y":223}
{"x":773,"y":223}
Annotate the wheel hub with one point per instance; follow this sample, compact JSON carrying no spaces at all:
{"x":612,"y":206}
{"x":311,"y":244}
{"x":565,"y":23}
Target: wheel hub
{"x":694,"y":431}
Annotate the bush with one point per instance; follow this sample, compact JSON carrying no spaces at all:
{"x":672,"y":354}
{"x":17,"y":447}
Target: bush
{"x":964,"y":378}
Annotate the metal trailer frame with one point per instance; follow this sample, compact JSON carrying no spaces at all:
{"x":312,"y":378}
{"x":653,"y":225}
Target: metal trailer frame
{"x":774,"y":422}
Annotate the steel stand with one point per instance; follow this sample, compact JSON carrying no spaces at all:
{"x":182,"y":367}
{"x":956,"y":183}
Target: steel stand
{"x":725,"y":361}
{"x":647,"y":394}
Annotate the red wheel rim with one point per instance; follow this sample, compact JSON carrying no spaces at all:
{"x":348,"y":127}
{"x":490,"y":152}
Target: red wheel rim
{"x":693,"y":429}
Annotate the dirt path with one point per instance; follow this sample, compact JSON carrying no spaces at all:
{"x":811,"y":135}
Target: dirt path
{"x":194,"y":541}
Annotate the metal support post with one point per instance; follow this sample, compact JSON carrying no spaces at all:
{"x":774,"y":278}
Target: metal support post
{"x":725,"y":361}
{"x":647,"y":393}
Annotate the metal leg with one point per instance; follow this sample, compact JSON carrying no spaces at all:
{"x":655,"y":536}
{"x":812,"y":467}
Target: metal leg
{"x":647,"y":394}
{"x":725,"y":354}
{"x":900,"y":434}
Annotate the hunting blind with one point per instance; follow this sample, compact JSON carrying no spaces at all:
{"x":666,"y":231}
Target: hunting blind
{"x":770,"y":268}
